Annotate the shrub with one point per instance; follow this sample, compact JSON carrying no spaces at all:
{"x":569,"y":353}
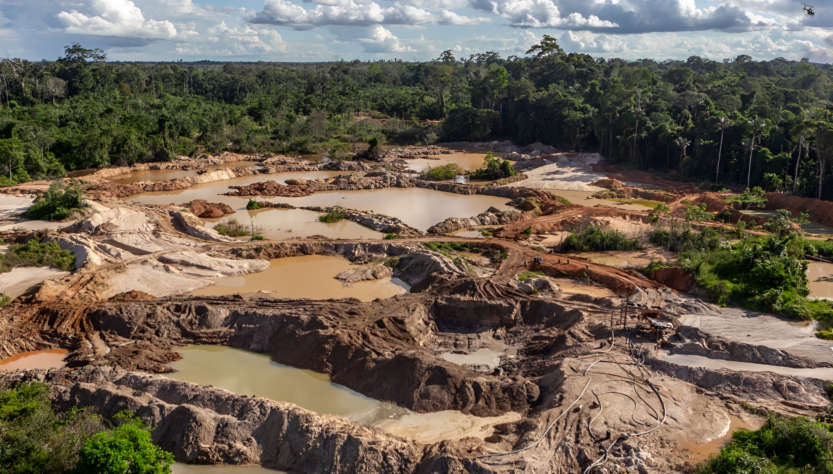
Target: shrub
{"x":526,"y":275}
{"x":485,"y":233}
{"x":253,"y":205}
{"x":390,"y":236}
{"x":57,"y":203}
{"x":4,"y":299}
{"x":680,"y":241}
{"x":494,"y":168}
{"x":231,"y":228}
{"x":594,"y":239}
{"x":333,"y":216}
{"x":442,"y":173}
{"x":37,"y":254}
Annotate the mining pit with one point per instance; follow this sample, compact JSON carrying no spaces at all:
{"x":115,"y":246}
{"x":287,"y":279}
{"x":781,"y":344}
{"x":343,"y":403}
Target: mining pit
{"x":338,"y":351}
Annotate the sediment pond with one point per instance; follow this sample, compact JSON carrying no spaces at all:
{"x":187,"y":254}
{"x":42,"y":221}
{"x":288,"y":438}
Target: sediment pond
{"x":817,"y":272}
{"x":822,"y":373}
{"x":309,"y":276}
{"x":46,"y":359}
{"x":168,"y":174}
{"x":180,"y":468}
{"x":248,"y":373}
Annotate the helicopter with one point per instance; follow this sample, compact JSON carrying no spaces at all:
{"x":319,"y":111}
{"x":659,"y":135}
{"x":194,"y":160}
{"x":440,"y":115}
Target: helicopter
{"x":809,"y":9}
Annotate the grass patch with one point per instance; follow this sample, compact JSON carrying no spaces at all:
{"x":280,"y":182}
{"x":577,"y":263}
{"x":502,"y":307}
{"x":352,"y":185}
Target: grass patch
{"x":253,"y":205}
{"x":232,"y":228}
{"x":446,"y":248}
{"x":677,"y":240}
{"x":781,"y":446}
{"x":828,"y":335}
{"x":37,"y":254}
{"x":594,"y":239}
{"x":57,"y":203}
{"x":526,"y":275}
{"x":390,"y":236}
{"x":442,"y":173}
{"x":639,"y":202}
{"x":332,"y":216}
{"x":4,"y":299}
{"x":485,"y":233}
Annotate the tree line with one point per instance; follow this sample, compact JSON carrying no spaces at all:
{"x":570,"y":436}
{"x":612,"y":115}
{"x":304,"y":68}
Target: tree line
{"x":736,"y":121}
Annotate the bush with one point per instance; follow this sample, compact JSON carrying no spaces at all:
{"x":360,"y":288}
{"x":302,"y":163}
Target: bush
{"x":780,"y":446}
{"x":37,"y":254}
{"x":4,"y":299}
{"x":526,"y":275}
{"x":680,"y":241}
{"x":442,"y":173}
{"x":332,"y":216}
{"x":485,"y":233}
{"x":494,"y":168}
{"x":35,"y":440}
{"x":390,"y":236}
{"x":57,"y":203}
{"x":231,"y":228}
{"x":253,"y":205}
{"x":594,"y":239}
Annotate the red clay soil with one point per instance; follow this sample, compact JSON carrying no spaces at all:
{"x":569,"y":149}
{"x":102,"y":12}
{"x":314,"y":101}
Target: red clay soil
{"x":635,"y":176}
{"x":674,"y":278}
{"x":566,"y":217}
{"x":819,"y":211}
{"x":208,"y":210}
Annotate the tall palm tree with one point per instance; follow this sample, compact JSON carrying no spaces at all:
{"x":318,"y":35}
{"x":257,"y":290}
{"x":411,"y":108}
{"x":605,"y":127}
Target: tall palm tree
{"x":682,"y":144}
{"x":722,"y":123}
{"x":758,"y":127}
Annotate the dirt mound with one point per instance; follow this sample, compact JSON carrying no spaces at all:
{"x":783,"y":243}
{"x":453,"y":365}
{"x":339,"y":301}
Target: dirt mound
{"x":676,"y":278}
{"x":714,"y":202}
{"x":208,"y":210}
{"x":819,"y":211}
{"x":609,"y":183}
{"x":132,"y":295}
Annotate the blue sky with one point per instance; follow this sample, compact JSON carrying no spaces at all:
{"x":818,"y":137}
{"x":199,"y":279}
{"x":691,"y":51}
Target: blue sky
{"x":315,"y":30}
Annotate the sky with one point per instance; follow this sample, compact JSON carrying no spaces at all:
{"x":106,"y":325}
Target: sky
{"x":327,"y":30}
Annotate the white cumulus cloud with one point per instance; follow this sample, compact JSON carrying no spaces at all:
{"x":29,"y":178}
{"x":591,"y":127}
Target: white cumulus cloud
{"x":119,"y":18}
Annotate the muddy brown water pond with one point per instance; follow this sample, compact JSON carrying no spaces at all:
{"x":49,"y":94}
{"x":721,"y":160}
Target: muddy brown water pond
{"x":702,"y":452}
{"x":46,"y":359}
{"x":309,"y":276}
{"x":420,"y":208}
{"x":820,"y":289}
{"x":180,"y":468}
{"x":166,"y":175}
{"x":248,"y":373}
{"x":468,"y":161}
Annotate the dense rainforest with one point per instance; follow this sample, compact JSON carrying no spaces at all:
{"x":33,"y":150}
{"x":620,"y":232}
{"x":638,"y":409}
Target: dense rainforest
{"x":739,"y":121}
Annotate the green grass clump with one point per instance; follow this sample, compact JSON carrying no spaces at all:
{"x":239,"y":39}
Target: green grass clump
{"x":36,"y":254}
{"x":257,"y":237}
{"x":231,"y":228}
{"x":494,"y":168}
{"x":390,"y":236}
{"x":332,"y":216}
{"x":57,"y":203}
{"x":828,"y":335}
{"x":526,"y":275}
{"x":446,"y":248}
{"x":638,"y":202}
{"x":442,"y":173}
{"x":485,"y":233}
{"x":4,"y":299}
{"x":781,"y":446}
{"x":594,"y":239}
{"x":253,"y":205}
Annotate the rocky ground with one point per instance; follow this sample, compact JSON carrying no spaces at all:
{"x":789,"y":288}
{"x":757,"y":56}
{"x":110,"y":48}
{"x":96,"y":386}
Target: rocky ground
{"x":576,"y":383}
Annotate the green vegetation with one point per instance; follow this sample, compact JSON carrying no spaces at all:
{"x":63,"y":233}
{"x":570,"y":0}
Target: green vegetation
{"x":390,"y":236}
{"x":526,"y":275}
{"x":36,"y":254}
{"x":442,"y":173}
{"x":494,"y":168}
{"x":749,"y":198}
{"x":781,"y":446}
{"x":684,"y":240}
{"x":638,"y":202}
{"x":527,"y":232}
{"x":696,"y":213}
{"x":4,"y":299}
{"x":36,"y":440}
{"x":231,"y":228}
{"x":257,"y":237}
{"x":594,"y":239}
{"x":760,"y":273}
{"x":253,"y":205}
{"x":660,"y":210}
{"x":57,"y":203}
{"x":485,"y":233}
{"x":333,"y":216}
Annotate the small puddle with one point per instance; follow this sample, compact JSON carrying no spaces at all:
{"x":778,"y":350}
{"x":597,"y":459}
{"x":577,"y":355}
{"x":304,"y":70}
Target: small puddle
{"x":48,"y":359}
{"x":701,"y":453}
{"x":820,"y":289}
{"x":812,"y":228}
{"x":823,"y":373}
{"x":310,"y":276}
{"x":573,"y":287}
{"x":605,"y":259}
{"x":484,"y":360}
{"x":180,"y":468}
{"x":223,"y":367}
{"x":466,"y":161}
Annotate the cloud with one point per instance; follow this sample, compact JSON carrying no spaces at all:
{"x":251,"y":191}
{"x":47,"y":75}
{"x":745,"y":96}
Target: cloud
{"x":373,"y":39}
{"x":451,"y":18}
{"x":344,"y":13}
{"x":617,"y":16}
{"x":114,"y":18}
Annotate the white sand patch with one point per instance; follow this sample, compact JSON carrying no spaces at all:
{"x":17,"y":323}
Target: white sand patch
{"x":20,"y":279}
{"x":13,"y":205}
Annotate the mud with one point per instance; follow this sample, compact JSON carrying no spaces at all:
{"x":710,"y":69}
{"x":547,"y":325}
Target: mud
{"x":45,"y":359}
{"x":821,"y":280}
{"x":17,"y":281}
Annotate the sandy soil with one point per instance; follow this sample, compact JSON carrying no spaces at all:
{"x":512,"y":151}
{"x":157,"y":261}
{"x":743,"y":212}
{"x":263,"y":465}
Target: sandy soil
{"x":20,"y":279}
